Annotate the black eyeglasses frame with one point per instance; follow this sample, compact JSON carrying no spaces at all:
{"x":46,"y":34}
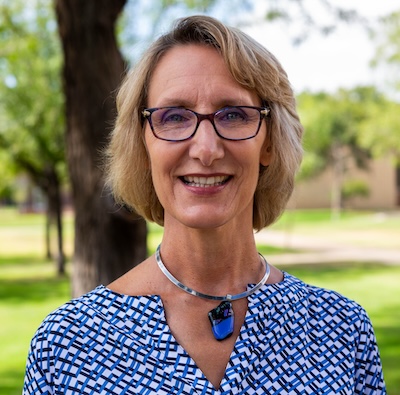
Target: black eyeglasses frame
{"x":147,"y":112}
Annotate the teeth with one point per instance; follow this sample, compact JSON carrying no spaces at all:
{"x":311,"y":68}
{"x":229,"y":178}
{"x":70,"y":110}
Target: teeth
{"x":204,"y":182}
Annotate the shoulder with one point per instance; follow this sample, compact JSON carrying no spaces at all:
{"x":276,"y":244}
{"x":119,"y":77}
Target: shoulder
{"x":90,"y":315}
{"x":320,"y":297}
{"x":328,"y":307}
{"x":63,"y":332}
{"x":92,"y":321}
{"x":76,"y":334}
{"x":75,"y":314}
{"x":336,"y":329}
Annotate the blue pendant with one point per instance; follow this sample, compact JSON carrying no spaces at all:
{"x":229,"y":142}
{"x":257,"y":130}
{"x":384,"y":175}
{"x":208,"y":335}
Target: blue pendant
{"x":222,"y":320}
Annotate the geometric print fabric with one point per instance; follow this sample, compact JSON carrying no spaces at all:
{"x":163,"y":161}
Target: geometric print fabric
{"x":296,"y":339}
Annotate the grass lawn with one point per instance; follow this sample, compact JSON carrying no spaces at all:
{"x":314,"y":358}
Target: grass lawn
{"x":29,"y":290}
{"x":355,"y":228}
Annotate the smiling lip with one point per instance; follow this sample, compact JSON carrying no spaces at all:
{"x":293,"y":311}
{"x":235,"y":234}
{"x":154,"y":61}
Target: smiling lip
{"x":205,"y":182}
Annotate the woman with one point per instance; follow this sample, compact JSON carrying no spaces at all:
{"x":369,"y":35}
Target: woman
{"x":207,"y":143}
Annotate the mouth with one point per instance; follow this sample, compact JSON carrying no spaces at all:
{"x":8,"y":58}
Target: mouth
{"x":205,"y":182}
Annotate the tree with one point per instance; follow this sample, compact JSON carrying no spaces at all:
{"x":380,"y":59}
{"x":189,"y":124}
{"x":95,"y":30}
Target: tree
{"x":382,"y":132}
{"x":32,"y":124}
{"x":304,"y":19}
{"x":331,"y":135}
{"x":387,"y":37}
{"x":7,"y":187}
{"x":108,"y":241}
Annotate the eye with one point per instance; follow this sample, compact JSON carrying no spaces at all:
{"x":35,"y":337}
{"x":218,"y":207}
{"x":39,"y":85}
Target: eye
{"x":174,"y":116}
{"x":232,"y":115}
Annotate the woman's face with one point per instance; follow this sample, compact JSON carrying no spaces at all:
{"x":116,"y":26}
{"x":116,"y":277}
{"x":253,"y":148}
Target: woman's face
{"x":203,"y":182}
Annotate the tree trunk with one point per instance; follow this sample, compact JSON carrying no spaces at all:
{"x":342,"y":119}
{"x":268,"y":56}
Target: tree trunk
{"x":54,"y":209}
{"x":338,"y":156}
{"x":49,"y":255}
{"x":106,"y":244}
{"x":60,"y":241}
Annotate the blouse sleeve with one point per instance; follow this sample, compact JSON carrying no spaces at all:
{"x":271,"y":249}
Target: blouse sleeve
{"x":38,"y":375}
{"x":369,"y":375}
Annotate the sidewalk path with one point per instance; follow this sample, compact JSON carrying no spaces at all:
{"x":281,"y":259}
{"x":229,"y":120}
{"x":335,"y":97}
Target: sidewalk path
{"x":311,"y":249}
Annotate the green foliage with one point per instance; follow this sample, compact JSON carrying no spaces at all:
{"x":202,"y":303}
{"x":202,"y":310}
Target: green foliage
{"x":350,"y":125}
{"x":7,"y":183}
{"x":380,"y":133}
{"x":354,"y":188}
{"x":387,"y":37}
{"x":331,"y":128}
{"x":31,"y":104}
{"x":304,"y":20}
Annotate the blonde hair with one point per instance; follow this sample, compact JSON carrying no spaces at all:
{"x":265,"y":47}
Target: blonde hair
{"x":254,"y":67}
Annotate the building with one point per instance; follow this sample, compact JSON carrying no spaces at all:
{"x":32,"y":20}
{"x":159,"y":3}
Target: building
{"x":382,"y":179}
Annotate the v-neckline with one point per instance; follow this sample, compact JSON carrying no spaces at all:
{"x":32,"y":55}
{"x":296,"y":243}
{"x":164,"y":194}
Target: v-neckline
{"x":148,"y":311}
{"x":244,"y":342}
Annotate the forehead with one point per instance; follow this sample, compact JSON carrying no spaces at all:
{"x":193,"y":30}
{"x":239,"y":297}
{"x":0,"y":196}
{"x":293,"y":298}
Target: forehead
{"x":195,"y":73}
{"x":180,"y":57}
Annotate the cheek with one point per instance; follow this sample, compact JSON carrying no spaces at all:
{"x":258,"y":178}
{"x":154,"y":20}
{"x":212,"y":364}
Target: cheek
{"x":250,"y":173}
{"x":163,"y":160}
{"x":253,"y":167}
{"x":155,"y":153}
{"x":159,"y":183}
{"x":152,"y":161}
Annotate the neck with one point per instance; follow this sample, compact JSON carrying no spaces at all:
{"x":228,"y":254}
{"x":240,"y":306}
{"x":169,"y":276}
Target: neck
{"x":212,"y":260}
{"x":227,"y":297}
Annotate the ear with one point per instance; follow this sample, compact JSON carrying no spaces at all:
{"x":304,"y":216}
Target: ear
{"x":266,"y":154}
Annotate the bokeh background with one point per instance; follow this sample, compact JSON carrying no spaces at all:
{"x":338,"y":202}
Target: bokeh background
{"x":61,"y":233}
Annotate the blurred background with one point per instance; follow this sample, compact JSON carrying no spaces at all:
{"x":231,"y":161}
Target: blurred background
{"x":61,"y":233}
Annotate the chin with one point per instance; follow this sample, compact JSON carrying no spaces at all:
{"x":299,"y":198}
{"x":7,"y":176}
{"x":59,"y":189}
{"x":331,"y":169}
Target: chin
{"x":205,"y":217}
{"x":204,"y":221}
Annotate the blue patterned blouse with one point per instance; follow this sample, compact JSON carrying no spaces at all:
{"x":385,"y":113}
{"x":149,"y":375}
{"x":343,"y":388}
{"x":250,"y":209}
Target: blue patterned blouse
{"x":296,"y":339}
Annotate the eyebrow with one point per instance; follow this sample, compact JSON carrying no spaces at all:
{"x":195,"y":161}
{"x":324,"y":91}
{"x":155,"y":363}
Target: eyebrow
{"x":179,"y":102}
{"x":175,"y":102}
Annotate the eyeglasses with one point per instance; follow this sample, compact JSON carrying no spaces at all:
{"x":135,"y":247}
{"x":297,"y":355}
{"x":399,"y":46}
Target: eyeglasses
{"x":230,"y":123}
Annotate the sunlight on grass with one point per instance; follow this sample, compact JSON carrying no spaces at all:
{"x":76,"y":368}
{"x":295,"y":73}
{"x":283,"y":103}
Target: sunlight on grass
{"x":21,"y":233}
{"x":357,"y":228}
{"x":27,"y":294}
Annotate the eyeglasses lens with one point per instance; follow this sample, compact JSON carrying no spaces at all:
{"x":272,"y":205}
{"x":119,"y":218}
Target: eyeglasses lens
{"x":233,"y":123}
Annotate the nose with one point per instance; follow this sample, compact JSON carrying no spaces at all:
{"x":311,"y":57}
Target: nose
{"x":206,"y":146}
